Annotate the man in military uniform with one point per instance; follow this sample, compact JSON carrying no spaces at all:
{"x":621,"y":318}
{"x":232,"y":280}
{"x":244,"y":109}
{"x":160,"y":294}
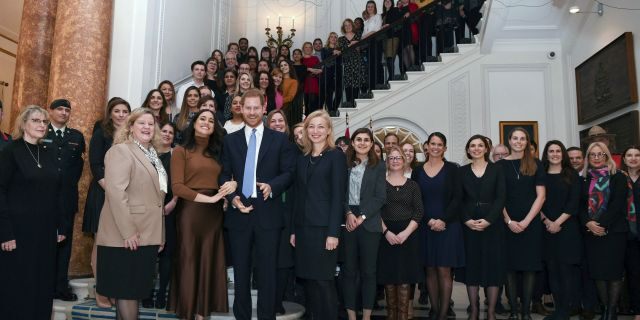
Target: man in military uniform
{"x":68,"y":145}
{"x":5,"y":138}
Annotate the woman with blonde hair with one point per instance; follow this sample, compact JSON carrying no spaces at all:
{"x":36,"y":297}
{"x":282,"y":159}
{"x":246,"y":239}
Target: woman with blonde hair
{"x":135,"y":187}
{"x":331,"y":79}
{"x":320,"y":184}
{"x":31,"y":221}
{"x":603,"y":214}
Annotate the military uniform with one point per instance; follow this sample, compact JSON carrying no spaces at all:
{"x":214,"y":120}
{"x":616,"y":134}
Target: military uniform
{"x":67,"y":148}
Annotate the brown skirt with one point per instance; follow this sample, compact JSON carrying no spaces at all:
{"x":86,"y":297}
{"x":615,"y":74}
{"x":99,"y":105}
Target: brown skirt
{"x":199,"y":281}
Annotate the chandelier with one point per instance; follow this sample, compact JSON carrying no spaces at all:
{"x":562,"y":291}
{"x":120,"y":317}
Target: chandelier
{"x":277,"y":40}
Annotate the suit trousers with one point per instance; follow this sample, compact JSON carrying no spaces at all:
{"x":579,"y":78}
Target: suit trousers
{"x":322,"y":299}
{"x":63,"y":256}
{"x":361,"y":258}
{"x":242,"y":244}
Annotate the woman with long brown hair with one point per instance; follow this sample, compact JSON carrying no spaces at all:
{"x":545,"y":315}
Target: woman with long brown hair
{"x":156,"y":102}
{"x":187,"y":111}
{"x":116,"y":114}
{"x":525,"y":185}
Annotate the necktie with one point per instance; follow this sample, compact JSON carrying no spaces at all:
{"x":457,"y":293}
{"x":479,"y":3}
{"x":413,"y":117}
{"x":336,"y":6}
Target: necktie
{"x":249,"y":166}
{"x":59,"y":134}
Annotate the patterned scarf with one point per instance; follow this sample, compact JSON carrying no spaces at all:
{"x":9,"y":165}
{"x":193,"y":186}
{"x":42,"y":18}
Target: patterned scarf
{"x":599,"y":192}
{"x":631,"y":208}
{"x":155,"y":161}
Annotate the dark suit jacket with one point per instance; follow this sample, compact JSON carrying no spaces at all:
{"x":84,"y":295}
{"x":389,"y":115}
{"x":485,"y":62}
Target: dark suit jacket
{"x":275,"y":167}
{"x":373,"y":195}
{"x":320,"y":191}
{"x":614,"y":219}
{"x":68,"y":158}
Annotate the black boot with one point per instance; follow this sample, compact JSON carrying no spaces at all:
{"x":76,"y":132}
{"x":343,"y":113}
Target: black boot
{"x":605,"y":313}
{"x":390,"y":69}
{"x":612,"y":313}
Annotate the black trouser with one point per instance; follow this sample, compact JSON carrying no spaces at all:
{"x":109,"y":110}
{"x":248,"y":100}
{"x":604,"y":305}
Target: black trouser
{"x":310,"y":103}
{"x":361,"y":258}
{"x":562,"y":285}
{"x":585,"y":295}
{"x":632,"y":265}
{"x":322,"y":299}
{"x":63,"y":255}
{"x":265,"y":242}
{"x":166,"y":256}
{"x":330,"y":84}
{"x":376,"y":73}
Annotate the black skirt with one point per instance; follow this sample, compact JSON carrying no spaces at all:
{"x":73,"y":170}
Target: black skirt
{"x":92,"y":208}
{"x":400,"y":264}
{"x":126,"y":274}
{"x":605,"y":255}
{"x":313,"y":261}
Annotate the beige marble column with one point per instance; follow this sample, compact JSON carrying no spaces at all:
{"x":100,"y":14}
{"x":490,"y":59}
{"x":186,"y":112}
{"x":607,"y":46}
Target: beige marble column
{"x":33,"y":56}
{"x":79,"y":72}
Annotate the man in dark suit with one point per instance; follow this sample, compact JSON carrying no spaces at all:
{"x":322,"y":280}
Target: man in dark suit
{"x":262,"y":161}
{"x":68,"y":145}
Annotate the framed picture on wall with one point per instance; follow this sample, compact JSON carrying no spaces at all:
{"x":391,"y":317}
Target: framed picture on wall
{"x":622,"y":132}
{"x":606,"y":82}
{"x":530,"y":126}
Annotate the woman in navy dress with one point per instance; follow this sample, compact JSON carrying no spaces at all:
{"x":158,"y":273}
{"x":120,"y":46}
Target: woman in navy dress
{"x":442,"y":232}
{"x":482,"y":204}
{"x":562,"y":240}
{"x":525,"y":195}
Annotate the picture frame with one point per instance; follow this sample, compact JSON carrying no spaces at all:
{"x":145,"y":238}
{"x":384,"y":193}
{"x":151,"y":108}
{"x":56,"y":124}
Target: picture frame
{"x":530,"y":126}
{"x":606,"y":81}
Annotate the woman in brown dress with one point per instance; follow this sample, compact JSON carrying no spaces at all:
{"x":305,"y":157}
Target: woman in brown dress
{"x":199,"y":284}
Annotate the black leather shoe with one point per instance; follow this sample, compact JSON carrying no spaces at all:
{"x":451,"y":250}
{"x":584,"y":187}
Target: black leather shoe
{"x":161,"y":303}
{"x":66,"y":296}
{"x":540,"y":309}
{"x":500,"y":309}
{"x":147,"y":303}
{"x":512,"y":316}
{"x":450,"y":313}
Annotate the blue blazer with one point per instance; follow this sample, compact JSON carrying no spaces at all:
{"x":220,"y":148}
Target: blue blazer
{"x":320,"y":191}
{"x":276,"y":159}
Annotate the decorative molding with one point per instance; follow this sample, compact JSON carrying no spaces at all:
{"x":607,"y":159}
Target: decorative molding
{"x":398,"y":122}
{"x":160,"y":42}
{"x":7,"y":52}
{"x":459,"y":120}
{"x":2,"y":35}
{"x":529,"y":67}
{"x":223,"y":25}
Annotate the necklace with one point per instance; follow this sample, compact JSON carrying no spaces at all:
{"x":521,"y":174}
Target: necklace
{"x":32,"y":156}
{"x":514,"y":169}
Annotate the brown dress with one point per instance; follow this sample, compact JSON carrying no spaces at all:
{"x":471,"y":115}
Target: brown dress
{"x":199,"y":281}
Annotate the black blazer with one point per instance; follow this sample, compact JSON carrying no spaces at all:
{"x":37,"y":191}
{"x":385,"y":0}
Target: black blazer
{"x":98,"y":147}
{"x":275,"y":167}
{"x":320,"y":190}
{"x":373,"y":195}
{"x":485,"y":201}
{"x":615,"y":218}
{"x":452,"y":190}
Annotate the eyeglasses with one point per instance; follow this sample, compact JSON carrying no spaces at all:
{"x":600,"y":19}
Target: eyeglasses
{"x":397,"y":158}
{"x":40,"y":121}
{"x":599,"y":155}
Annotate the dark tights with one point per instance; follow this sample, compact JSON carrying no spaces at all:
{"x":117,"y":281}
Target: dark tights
{"x":126,"y":309}
{"x":528,"y":281}
{"x":474,"y":300}
{"x":440,"y":285}
{"x":322,"y":300}
{"x":561,"y":279}
{"x":609,"y":293}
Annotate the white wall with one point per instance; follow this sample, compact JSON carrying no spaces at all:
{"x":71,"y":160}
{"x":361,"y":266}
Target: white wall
{"x":516,"y":82}
{"x":589,"y":33}
{"x":158,"y":40}
{"x":313,"y":19}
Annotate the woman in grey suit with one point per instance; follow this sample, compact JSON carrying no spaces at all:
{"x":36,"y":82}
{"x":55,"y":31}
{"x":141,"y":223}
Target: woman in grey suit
{"x":366,"y":194}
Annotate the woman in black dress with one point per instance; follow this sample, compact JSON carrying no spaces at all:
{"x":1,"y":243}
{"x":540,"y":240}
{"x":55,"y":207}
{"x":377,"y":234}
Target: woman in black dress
{"x":603,"y":213}
{"x":482,"y":203}
{"x":116,"y":114}
{"x":366,"y":195}
{"x":524,"y":198}
{"x":441,"y":229}
{"x":562,"y":240}
{"x":399,"y":253}
{"x":631,"y":164}
{"x":31,"y":221}
{"x":390,"y":14}
{"x":318,"y":213}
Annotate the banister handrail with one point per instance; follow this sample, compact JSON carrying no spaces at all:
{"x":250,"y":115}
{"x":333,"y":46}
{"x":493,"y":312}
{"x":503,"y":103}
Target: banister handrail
{"x":428,"y":9}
